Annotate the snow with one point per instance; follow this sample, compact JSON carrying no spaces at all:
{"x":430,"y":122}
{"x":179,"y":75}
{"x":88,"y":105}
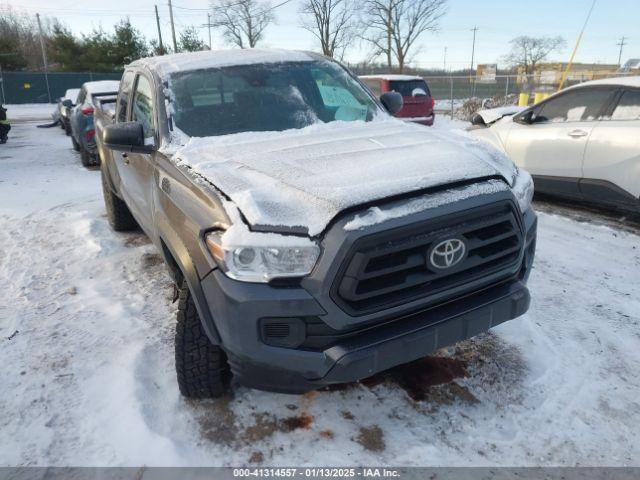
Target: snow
{"x":491,"y":115}
{"x":393,"y":77}
{"x":71,"y":94}
{"x":86,"y":332}
{"x":102,"y":86}
{"x":165,"y":65}
{"x":376,"y":215}
{"x":301,"y":179}
{"x":617,"y":81}
{"x":30,"y":111}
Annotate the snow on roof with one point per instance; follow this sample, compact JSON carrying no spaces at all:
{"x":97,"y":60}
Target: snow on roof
{"x":102,"y":86}
{"x":168,"y":64}
{"x":616,"y":81}
{"x":71,"y":94}
{"x":393,"y":77}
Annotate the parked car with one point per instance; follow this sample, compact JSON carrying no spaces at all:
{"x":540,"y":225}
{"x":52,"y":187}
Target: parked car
{"x":65,"y":105}
{"x":582,"y":143}
{"x":309,"y":251}
{"x":418,"y":102}
{"x":81,"y":118}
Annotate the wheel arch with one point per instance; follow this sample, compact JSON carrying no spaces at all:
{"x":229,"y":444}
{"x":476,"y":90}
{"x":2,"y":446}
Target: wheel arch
{"x":181,"y":266}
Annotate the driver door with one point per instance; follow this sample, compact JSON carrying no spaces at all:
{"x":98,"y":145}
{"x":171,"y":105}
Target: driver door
{"x":138,"y":168}
{"x":552,"y":146}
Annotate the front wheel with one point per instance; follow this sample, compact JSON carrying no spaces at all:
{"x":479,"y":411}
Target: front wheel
{"x":201,"y":366}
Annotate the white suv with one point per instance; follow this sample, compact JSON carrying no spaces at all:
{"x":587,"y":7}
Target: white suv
{"x":581,"y":143}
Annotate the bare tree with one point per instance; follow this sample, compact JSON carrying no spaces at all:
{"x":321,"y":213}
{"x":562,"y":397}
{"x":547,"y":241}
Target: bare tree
{"x":528,"y":52}
{"x":394,"y":26}
{"x":332,"y":22}
{"x":243,"y":22}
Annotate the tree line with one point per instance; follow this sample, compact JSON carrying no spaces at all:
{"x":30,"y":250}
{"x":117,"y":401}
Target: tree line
{"x":390,"y":29}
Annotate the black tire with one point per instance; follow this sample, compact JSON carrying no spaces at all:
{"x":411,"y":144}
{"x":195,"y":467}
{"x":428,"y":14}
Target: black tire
{"x":76,"y":145}
{"x":118,"y":213}
{"x":86,"y":158}
{"x":201,"y":366}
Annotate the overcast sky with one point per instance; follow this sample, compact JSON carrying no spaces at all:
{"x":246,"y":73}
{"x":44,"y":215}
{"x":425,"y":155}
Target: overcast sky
{"x":498,"y":22}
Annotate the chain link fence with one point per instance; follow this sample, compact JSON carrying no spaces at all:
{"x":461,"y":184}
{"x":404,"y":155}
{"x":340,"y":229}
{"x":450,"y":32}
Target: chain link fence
{"x":38,"y":87}
{"x":452,"y":91}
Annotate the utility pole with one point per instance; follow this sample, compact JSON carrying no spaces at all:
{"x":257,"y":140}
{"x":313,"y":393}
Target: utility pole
{"x":162,"y":52}
{"x":209,"y":27}
{"x":44,"y":57}
{"x":621,"y":44}
{"x":473,"y":57}
{"x":473,"y":48}
{"x":444,"y":63}
{"x":173,"y":29}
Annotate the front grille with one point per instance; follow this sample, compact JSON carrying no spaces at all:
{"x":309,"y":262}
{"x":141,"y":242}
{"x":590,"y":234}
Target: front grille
{"x":391,"y":268}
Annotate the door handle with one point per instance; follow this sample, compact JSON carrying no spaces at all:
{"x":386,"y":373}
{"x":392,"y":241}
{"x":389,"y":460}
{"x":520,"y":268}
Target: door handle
{"x":577,"y":133}
{"x":125,"y":158}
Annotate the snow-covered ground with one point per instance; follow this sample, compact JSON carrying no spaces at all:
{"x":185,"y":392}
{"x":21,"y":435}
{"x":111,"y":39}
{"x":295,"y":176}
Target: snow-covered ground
{"x":30,"y":111}
{"x":86,"y":326}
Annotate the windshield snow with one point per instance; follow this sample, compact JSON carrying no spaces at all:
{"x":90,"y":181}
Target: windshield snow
{"x":266,"y":97}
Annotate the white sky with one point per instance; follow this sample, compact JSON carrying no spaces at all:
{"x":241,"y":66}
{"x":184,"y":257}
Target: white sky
{"x":498,"y":22}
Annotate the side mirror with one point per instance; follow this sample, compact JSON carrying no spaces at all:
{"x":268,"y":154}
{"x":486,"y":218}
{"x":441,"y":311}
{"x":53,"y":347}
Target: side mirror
{"x":524,"y":118}
{"x":126,"y":137}
{"x":392,"y":101}
{"x":67,"y":103}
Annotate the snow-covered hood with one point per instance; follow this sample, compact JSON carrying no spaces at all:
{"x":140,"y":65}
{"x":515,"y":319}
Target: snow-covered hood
{"x":301,"y":179}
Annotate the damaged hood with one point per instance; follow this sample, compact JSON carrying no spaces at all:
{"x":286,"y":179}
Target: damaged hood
{"x":299,"y":180}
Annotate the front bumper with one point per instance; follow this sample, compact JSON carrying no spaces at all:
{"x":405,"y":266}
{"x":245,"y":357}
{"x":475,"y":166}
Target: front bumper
{"x":406,"y":339}
{"x":363,"y":345}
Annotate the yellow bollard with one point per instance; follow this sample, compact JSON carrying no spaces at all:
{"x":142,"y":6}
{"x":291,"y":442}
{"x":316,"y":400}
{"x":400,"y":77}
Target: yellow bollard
{"x":538,"y":97}
{"x":523,"y":100}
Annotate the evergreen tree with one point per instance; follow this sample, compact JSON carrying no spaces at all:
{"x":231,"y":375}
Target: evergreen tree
{"x":190,"y":41}
{"x":65,"y":50}
{"x":128,"y":45}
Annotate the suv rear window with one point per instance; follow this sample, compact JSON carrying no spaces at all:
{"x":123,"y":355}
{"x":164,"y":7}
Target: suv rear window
{"x":406,"y":88}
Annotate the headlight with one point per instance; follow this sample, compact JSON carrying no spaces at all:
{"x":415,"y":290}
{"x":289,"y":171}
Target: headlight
{"x":261,"y":257}
{"x":523,"y":189}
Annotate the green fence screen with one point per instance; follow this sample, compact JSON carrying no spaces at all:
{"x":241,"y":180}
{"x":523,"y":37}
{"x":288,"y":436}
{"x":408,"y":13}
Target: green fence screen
{"x":31,"y":87}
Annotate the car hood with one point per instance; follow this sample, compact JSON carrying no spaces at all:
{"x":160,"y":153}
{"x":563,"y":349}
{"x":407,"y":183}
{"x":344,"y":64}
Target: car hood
{"x":299,"y":180}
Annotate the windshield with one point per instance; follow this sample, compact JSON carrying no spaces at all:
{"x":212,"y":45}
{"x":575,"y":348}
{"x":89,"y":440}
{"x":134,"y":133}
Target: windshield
{"x":267,"y":97}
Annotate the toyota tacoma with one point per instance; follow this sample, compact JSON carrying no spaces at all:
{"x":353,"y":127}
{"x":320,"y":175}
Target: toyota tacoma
{"x":313,"y":238}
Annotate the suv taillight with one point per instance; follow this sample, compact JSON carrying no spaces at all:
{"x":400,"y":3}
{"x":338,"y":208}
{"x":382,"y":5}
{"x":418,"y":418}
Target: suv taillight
{"x":87,"y":110}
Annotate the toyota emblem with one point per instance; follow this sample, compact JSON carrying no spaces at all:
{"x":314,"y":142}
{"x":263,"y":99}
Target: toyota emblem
{"x":448,"y":253}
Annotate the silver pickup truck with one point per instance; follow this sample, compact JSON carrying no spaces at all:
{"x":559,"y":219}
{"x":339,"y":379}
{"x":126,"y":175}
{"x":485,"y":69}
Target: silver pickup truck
{"x":314,"y":239}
